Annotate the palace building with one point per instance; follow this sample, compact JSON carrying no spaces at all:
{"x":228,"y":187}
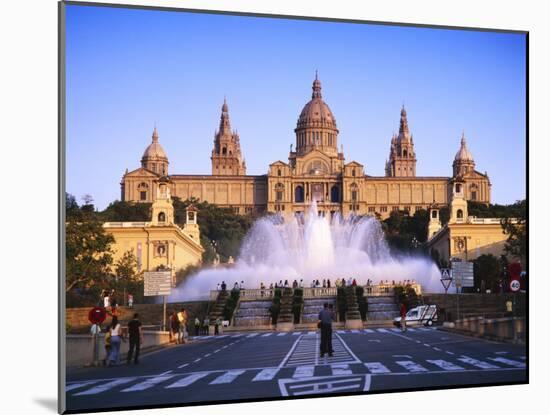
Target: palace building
{"x":315,"y":171}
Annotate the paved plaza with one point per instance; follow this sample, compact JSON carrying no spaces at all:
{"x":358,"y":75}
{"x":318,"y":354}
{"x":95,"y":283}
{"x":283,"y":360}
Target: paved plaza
{"x":255,"y":365}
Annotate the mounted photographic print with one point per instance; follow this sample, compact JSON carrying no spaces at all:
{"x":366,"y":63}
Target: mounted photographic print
{"x":266,"y":207}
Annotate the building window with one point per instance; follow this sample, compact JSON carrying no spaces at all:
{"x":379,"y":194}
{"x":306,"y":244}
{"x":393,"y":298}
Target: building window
{"x":279,"y":172}
{"x":143,"y":195}
{"x":384,"y":209}
{"x":334,"y":194}
{"x":353,"y":172}
{"x":224,"y":151}
{"x":354,"y":195}
{"x":162,"y":217}
{"x":407,"y":209}
{"x":458,"y":188}
{"x":372,"y":209}
{"x":474,"y":195}
{"x":395,"y":208}
{"x":459,"y":214}
{"x":299,"y":194}
{"x":154,"y":167}
{"x":235,"y":210}
{"x":417,"y":208}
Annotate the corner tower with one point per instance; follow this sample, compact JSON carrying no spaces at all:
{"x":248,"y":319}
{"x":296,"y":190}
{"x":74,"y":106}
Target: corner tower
{"x":154,"y":158}
{"x":402,"y":162}
{"x":464,"y":161}
{"x":226,"y":156}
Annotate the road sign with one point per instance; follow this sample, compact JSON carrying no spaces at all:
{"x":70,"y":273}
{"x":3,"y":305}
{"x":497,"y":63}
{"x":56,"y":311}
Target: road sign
{"x":446,"y":278}
{"x":157,"y":283}
{"x":463,"y":274}
{"x":97,"y":315}
{"x":515,"y":285}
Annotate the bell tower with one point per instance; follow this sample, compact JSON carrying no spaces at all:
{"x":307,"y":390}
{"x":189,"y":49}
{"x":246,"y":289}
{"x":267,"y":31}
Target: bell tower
{"x":226,"y":157}
{"x":162,"y":210}
{"x":402,"y":162}
{"x":191,"y":227}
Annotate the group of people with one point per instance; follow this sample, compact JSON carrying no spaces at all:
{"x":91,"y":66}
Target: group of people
{"x":108,"y":300}
{"x":115,"y":334}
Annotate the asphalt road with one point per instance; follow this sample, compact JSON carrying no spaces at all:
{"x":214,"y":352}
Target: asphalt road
{"x":267,"y":365}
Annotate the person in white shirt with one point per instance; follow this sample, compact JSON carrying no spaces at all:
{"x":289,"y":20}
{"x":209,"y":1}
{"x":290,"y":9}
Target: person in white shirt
{"x":116,"y":338}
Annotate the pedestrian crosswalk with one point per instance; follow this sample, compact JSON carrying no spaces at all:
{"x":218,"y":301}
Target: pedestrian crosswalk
{"x":381,"y":330}
{"x":176,"y":381}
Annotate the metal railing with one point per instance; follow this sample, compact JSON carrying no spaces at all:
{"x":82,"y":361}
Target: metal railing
{"x":315,"y":292}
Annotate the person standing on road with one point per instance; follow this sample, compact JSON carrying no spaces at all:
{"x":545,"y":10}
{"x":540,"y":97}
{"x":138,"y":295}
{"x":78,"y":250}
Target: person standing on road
{"x":115,"y":332}
{"x":325,"y":324}
{"x":330,"y":349}
{"x":216,"y":326}
{"x":403,"y":312}
{"x":135,"y":336}
{"x":197,"y":326}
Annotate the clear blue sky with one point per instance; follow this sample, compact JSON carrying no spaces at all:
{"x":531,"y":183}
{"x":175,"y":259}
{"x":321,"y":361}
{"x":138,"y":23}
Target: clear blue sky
{"x":128,"y":69}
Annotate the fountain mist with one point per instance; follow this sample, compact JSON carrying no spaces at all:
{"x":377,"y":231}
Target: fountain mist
{"x":308,"y":247}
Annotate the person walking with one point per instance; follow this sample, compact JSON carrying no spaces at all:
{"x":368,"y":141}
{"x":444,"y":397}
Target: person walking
{"x":115,"y":332}
{"x":174,"y":326}
{"x":130,"y":300}
{"x":325,"y":324}
{"x":182,"y":318}
{"x":135,"y":337}
{"x":205,"y":324}
{"x":216,"y":326}
{"x":403,"y":312}
{"x":330,"y":349}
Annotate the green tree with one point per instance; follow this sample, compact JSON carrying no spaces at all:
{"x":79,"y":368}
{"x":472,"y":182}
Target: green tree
{"x":119,"y":211}
{"x":88,"y":254}
{"x":515,"y":226}
{"x":487,"y":272}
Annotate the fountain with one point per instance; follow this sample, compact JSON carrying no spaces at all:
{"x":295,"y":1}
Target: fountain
{"x":308,"y":247}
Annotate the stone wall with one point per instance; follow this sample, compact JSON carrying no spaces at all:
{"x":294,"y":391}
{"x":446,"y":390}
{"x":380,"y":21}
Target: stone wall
{"x":476,"y":305}
{"x":149,"y":314}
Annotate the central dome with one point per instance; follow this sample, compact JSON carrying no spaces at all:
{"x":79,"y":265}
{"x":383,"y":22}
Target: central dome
{"x":316,"y":112}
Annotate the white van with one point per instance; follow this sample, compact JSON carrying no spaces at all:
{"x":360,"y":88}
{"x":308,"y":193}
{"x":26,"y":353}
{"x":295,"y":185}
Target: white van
{"x":423,"y":314}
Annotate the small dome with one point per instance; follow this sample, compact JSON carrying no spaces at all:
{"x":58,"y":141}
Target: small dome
{"x":154,"y":150}
{"x":316,"y":112}
{"x":463,"y":154}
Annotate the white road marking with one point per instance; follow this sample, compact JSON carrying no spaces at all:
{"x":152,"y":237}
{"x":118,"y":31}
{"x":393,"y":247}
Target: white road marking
{"x":411,"y":366}
{"x":338,"y":370}
{"x":227,"y":377}
{"x":411,"y":329}
{"x":427,"y":345}
{"x":79,"y":385}
{"x":368,"y":330}
{"x":406,"y":356}
{"x":216,"y":351}
{"x":395,"y":329}
{"x":501,"y":352}
{"x":296,"y":333}
{"x":208,"y":354}
{"x":508,"y":362}
{"x":376,"y":367}
{"x":252,"y":335}
{"x":281,"y":334}
{"x":523,"y":357}
{"x":267,"y":334}
{"x":186,"y":381}
{"x":477,"y":363}
{"x":266,"y":374}
{"x":182,"y":366}
{"x":285,"y":359}
{"x":341,"y":331}
{"x":149,"y":383}
{"x":437,"y":349}
{"x":382,"y":330}
{"x":443,"y":364}
{"x":448,"y":352}
{"x":355,"y":331}
{"x":197,"y":360}
{"x":106,"y":386}
{"x":375,"y":340}
{"x":303,"y":372}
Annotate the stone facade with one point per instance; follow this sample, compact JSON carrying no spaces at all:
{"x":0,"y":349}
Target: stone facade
{"x":159,"y":242}
{"x":315,"y":171}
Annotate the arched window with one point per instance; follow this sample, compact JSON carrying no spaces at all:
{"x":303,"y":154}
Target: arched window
{"x":334,"y":194}
{"x":353,"y":172}
{"x":434,"y":214}
{"x":162,"y":217}
{"x":142,"y":189}
{"x":404,"y":153}
{"x":459,"y":214}
{"x":279,"y":173}
{"x":224,"y":151}
{"x":458,"y":188}
{"x":299,"y":194}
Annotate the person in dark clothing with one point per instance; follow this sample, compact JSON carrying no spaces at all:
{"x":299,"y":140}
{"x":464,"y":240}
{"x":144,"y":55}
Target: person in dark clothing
{"x":326,"y":317}
{"x":224,"y":286}
{"x":135,"y":335}
{"x":330,"y":349}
